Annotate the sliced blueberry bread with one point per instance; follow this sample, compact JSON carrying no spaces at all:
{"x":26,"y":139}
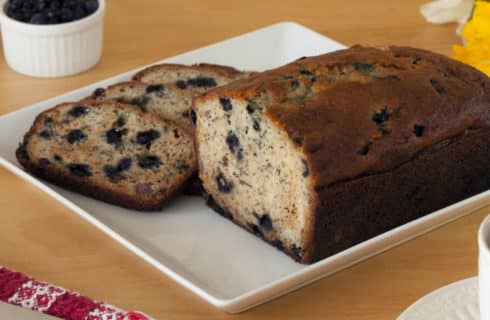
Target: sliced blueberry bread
{"x":166,"y":100}
{"x":110,"y":151}
{"x":332,"y":150}
{"x":197,"y":78}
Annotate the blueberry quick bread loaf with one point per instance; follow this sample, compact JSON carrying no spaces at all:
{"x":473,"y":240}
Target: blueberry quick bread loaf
{"x":196,"y":78}
{"x":110,"y":151}
{"x":332,"y":150}
{"x":167,"y":100}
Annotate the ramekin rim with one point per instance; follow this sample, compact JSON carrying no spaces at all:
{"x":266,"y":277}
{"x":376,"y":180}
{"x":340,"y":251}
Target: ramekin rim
{"x":66,"y":27}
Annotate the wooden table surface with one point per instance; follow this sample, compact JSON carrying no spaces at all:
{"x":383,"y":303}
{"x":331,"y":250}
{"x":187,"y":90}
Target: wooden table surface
{"x":40,"y":237}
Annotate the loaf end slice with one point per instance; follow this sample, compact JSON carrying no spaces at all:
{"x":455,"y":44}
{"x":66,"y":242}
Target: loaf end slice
{"x":110,"y":151}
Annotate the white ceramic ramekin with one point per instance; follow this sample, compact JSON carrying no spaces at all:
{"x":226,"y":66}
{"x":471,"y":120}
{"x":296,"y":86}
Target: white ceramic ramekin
{"x":484,"y":268}
{"x":52,"y":50}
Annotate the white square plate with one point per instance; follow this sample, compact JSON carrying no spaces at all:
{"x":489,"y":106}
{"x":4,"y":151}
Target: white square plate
{"x":223,"y":264}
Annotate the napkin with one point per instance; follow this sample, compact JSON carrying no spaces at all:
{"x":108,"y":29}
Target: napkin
{"x":23,"y":291}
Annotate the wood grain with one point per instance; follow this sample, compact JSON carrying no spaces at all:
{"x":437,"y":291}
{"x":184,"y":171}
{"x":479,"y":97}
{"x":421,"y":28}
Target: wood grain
{"x":42,"y":238}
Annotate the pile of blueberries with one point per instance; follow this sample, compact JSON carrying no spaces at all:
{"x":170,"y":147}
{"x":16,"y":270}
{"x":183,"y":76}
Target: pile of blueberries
{"x":50,"y":11}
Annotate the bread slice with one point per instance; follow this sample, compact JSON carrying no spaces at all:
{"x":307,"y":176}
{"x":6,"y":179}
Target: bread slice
{"x":197,"y":78}
{"x":167,"y":100}
{"x":110,"y":151}
{"x":329,"y":151}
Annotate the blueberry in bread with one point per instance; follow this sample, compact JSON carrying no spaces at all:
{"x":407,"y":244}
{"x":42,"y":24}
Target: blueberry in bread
{"x":196,"y":78}
{"x":110,"y":151}
{"x":167,"y":100}
{"x":332,"y":150}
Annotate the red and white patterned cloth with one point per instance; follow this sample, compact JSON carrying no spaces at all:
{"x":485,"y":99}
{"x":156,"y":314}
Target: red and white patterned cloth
{"x":18,"y":289}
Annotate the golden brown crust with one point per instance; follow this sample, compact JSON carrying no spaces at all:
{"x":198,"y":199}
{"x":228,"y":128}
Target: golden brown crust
{"x":334,"y":103}
{"x":91,"y":187}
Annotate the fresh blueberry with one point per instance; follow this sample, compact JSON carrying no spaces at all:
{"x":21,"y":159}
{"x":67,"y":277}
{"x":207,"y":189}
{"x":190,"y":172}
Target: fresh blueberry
{"x":55,"y":4}
{"x":79,"y":13}
{"x":53,"y":16}
{"x":66,"y":15}
{"x":91,"y":6}
{"x":38,"y":18}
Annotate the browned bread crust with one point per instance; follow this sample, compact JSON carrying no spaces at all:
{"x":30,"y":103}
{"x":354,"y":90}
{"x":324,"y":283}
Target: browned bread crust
{"x":221,"y":70}
{"x":335,"y":112}
{"x":196,"y":78}
{"x":47,"y":153}
{"x":387,"y":135}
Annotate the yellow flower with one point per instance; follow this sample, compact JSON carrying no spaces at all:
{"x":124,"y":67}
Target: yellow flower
{"x":478,"y":28}
{"x":476,"y":32}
